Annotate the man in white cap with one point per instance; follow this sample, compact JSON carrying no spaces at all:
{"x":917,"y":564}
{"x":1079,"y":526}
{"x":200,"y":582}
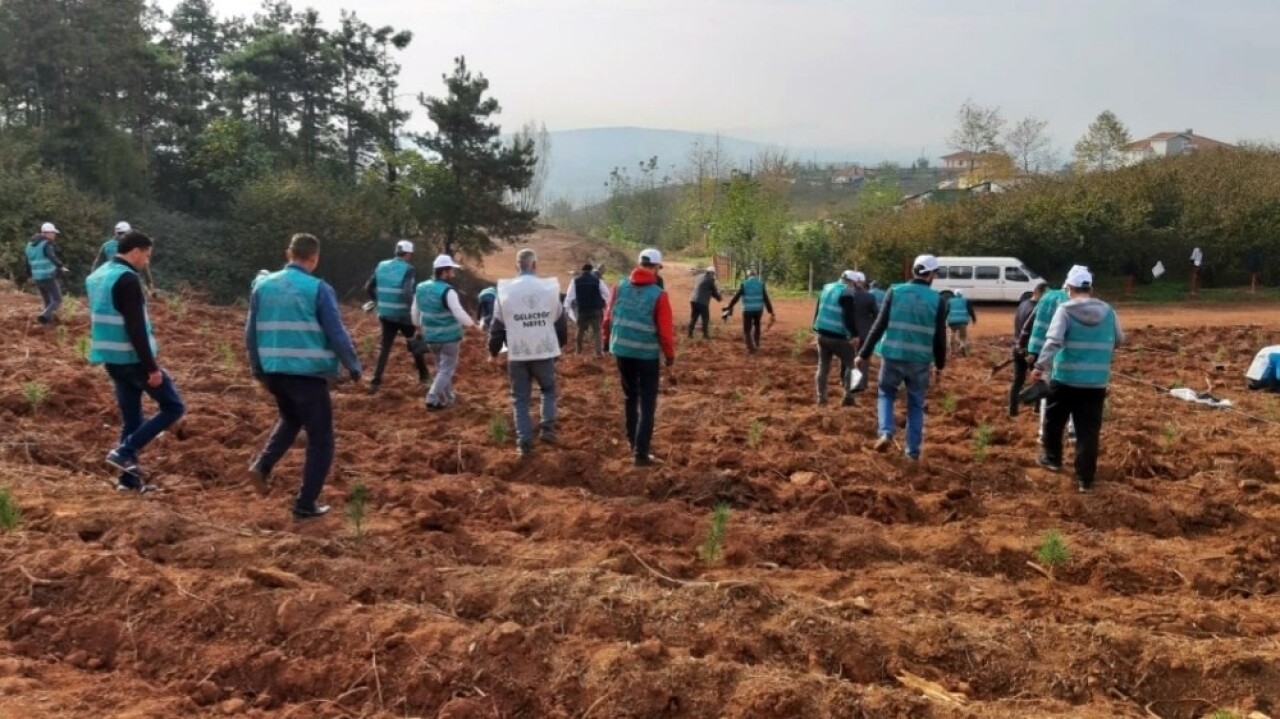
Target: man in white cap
{"x":639,"y":327}
{"x":700,"y":301}
{"x":530,"y":321}
{"x":833,"y":323}
{"x":111,"y":245}
{"x":391,"y":288}
{"x":913,"y":326}
{"x":44,"y":266}
{"x":438,"y":314}
{"x":1076,"y":360}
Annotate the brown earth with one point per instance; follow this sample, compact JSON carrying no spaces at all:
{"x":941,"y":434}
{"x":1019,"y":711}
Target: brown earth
{"x":852,"y":584}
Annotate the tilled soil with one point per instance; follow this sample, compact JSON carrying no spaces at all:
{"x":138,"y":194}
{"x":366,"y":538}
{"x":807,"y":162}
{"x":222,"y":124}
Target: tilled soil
{"x":851,"y":584}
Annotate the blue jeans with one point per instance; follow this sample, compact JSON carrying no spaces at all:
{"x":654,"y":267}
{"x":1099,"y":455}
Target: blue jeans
{"x":51,"y":296}
{"x":130,"y":382}
{"x":916,"y":376}
{"x":523,"y":374}
{"x":304,"y":404}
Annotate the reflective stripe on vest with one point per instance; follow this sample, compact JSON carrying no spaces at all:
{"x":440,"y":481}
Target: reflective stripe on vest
{"x":753,"y":295}
{"x":108,"y":341}
{"x":1045,"y":308}
{"x":1085,"y":357}
{"x":439,"y":326}
{"x":388,"y":281}
{"x":830,"y":315}
{"x":42,"y":268}
{"x":632,"y":332}
{"x":913,"y":316}
{"x":288,"y":332}
{"x":958,"y":311}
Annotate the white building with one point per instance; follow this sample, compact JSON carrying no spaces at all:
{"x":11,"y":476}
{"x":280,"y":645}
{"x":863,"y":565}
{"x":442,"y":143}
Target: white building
{"x":1168,"y":144}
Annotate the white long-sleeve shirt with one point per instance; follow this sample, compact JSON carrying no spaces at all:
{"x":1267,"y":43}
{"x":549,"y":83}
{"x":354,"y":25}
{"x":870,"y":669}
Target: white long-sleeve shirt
{"x":454,"y":304}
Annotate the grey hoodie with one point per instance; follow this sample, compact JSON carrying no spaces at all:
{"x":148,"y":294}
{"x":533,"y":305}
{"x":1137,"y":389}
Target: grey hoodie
{"x":1085,"y":310}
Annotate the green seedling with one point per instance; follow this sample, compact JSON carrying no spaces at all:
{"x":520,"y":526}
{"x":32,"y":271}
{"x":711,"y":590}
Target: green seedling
{"x":712,"y":549}
{"x":70,"y":308}
{"x":61,"y":334}
{"x":226,"y":356}
{"x":177,"y":306}
{"x":10,"y":513}
{"x":498,"y":430}
{"x":357,"y":505}
{"x":755,"y":433}
{"x":1170,"y":433}
{"x":981,"y":441}
{"x":949,"y":402}
{"x":736,"y":396}
{"x":366,"y":345}
{"x":36,"y":394}
{"x":82,"y":347}
{"x":1052,"y":551}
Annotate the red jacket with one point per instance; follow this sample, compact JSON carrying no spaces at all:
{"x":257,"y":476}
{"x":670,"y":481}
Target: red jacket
{"x":661,"y":313}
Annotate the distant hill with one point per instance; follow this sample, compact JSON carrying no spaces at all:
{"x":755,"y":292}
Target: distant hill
{"x":582,"y":159}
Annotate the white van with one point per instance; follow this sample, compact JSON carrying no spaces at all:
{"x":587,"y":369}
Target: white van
{"x":986,"y":279}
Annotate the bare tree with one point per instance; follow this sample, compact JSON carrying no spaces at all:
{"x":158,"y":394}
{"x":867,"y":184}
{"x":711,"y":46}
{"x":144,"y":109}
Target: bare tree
{"x":530,"y":198}
{"x":977,"y":130}
{"x":1029,"y":145}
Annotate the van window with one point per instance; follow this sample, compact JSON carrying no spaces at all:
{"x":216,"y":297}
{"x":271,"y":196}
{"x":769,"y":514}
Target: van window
{"x":1015,"y":274}
{"x":942,"y":273}
{"x":957,"y":272}
{"x":987,"y":273}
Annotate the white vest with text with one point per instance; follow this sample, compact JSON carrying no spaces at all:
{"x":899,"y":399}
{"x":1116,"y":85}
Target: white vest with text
{"x":530,"y":305}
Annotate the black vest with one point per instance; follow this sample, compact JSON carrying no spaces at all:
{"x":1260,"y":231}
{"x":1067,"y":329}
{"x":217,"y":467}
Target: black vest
{"x":587,"y":293}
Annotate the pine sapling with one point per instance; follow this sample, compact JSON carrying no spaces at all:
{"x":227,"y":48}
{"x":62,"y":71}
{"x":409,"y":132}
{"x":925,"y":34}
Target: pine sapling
{"x":1170,"y":433}
{"x":226,"y":356}
{"x":356,"y":507}
{"x":36,"y":394}
{"x":1052,"y":551}
{"x":949,"y":402}
{"x":981,"y":441}
{"x":10,"y":513}
{"x":755,"y":433}
{"x":82,"y":347}
{"x":712,"y":549}
{"x":498,"y":429}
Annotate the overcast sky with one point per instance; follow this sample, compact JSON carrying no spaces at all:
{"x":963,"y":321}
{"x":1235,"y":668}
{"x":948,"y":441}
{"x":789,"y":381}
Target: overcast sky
{"x":833,"y":73}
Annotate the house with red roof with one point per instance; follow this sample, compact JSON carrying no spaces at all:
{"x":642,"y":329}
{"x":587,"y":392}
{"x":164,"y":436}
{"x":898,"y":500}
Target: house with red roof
{"x":1169,"y":144}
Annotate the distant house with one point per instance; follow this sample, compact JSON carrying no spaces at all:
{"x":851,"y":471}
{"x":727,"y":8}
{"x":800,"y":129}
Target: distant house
{"x":965,"y":161}
{"x":930,"y":197}
{"x":1168,"y":144}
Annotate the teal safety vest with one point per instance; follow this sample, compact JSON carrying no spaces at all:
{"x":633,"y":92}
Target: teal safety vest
{"x":878,"y":293}
{"x":632,"y":331}
{"x":958,"y":311}
{"x":439,"y":325}
{"x":1045,"y":308}
{"x":1085,"y":357}
{"x":830,"y":317}
{"x":388,"y":281}
{"x":288,"y":332}
{"x":42,"y":268}
{"x":753,"y":295}
{"x":108,"y":341}
{"x":110,"y":249}
{"x":488,"y":292}
{"x":913,"y":317}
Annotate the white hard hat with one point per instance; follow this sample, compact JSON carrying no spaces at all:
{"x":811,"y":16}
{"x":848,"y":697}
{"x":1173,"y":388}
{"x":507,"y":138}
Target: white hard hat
{"x":48,"y":227}
{"x":123,"y":226}
{"x":1079,"y":276}
{"x":924,"y":264}
{"x":651,"y":256}
{"x":443,"y":261}
{"x":404,"y":246}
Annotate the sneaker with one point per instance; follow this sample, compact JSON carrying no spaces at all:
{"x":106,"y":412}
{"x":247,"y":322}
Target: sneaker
{"x":434,"y":406}
{"x":913,"y":457}
{"x":260,"y":478}
{"x":424,"y":380}
{"x":524,"y":449}
{"x":548,"y":438}
{"x":42,"y":319}
{"x":318,"y":510}
{"x":120,"y":459}
{"x":139,"y":487}
{"x":1084,"y":487}
{"x":1049,"y":464}
{"x":374,"y":387}
{"x":883,"y":443}
{"x":647,"y":460}
{"x":848,"y":399}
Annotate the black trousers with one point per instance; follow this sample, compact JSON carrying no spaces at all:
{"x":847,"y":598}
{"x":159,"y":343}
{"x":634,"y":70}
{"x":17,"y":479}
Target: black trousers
{"x":751,"y":329}
{"x":391,"y":328}
{"x":304,"y":405}
{"x":1082,"y":405}
{"x":640,"y":386}
{"x":698,"y":311}
{"x":1020,"y":368}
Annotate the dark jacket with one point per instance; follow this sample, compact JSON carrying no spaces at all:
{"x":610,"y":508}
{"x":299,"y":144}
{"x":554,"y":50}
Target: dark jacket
{"x":587,"y":294}
{"x":864,"y":312}
{"x":705,"y":289}
{"x":1026,"y":308}
{"x":882,"y":324}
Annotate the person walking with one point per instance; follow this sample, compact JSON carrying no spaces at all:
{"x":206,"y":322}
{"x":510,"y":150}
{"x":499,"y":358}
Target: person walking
{"x":1076,"y":358}
{"x":585,"y":302}
{"x":833,"y":323}
{"x":44,"y":267}
{"x":755,"y":301}
{"x":1021,"y":317}
{"x":391,"y":288}
{"x":530,"y":321}
{"x":639,"y":326}
{"x":121,"y":338}
{"x":959,"y":313}
{"x":700,"y":302}
{"x":438,"y":313}
{"x":913,"y":326}
{"x":484,"y":306}
{"x":297,"y":345}
{"x":111,"y":245}
{"x":1036,"y":329}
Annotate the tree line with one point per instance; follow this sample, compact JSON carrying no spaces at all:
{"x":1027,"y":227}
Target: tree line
{"x":221,"y":136}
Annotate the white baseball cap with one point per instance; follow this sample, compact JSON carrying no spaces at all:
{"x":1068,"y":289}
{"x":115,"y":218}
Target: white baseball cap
{"x":404,"y":246}
{"x":123,"y":226}
{"x":924,"y":264}
{"x":711,"y":269}
{"x":1079,"y":276}
{"x":651,"y":256}
{"x":850,"y":276}
{"x":443,"y":261}
{"x":48,"y":227}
